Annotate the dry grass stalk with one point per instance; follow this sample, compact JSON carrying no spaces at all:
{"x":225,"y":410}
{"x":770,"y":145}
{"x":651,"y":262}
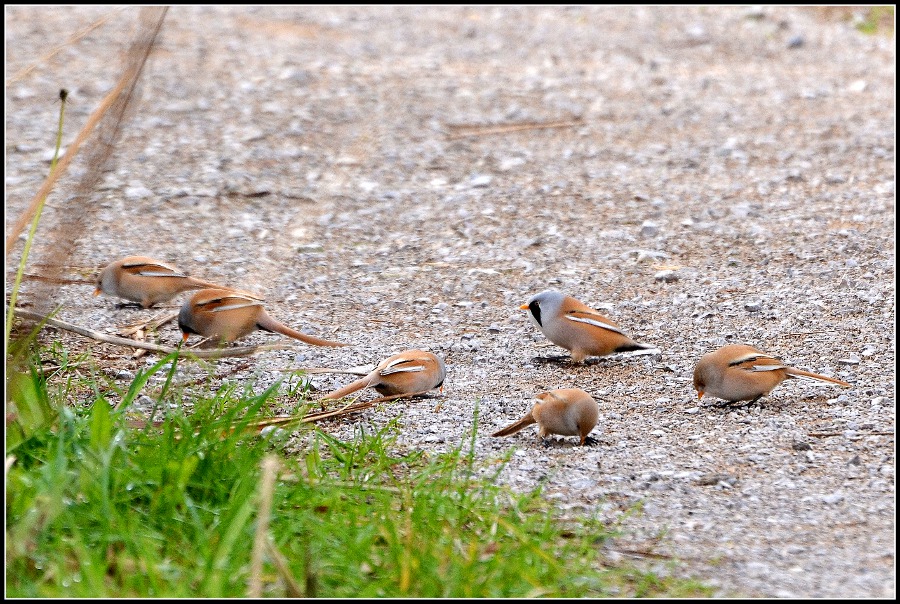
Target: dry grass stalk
{"x":240,"y":351}
{"x":467,"y":130}
{"x":263,"y":514}
{"x":108,"y":119}
{"x":52,"y":53}
{"x":57,"y":280}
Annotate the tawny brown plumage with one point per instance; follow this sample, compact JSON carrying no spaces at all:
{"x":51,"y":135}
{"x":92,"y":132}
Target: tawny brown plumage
{"x":742,"y":373}
{"x":409,"y":372}
{"x":576,"y":327}
{"x":145,"y":281}
{"x":226,"y":316}
{"x":567,"y":412}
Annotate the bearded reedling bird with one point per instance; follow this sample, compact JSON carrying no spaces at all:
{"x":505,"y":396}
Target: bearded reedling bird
{"x":576,"y":327}
{"x":409,"y":372}
{"x":567,"y":412}
{"x":742,"y":373}
{"x":145,"y":281}
{"x":225,"y":316}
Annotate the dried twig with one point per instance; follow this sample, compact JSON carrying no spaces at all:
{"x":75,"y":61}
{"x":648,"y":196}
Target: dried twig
{"x":352,"y":407}
{"x":57,"y":280}
{"x":63,"y":163}
{"x":805,"y":333}
{"x":641,"y":553}
{"x":72,"y":39}
{"x":108,"y":119}
{"x":287,"y":420}
{"x":873,"y":433}
{"x":154,"y":323}
{"x":241,"y":351}
{"x":361,"y":370}
{"x":466,"y":130}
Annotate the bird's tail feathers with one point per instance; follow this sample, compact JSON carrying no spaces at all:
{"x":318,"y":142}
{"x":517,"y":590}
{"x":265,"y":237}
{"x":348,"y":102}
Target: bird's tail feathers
{"x":352,"y":387}
{"x":791,"y":371}
{"x":513,"y":428}
{"x":269,"y":324}
{"x":195,"y":283}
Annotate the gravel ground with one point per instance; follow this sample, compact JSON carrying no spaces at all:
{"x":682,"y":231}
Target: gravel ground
{"x":727,"y":175}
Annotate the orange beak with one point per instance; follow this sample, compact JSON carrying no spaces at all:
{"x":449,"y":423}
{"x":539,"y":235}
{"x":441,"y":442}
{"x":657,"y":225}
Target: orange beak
{"x":524,"y":307}
{"x":699,"y":394}
{"x":184,"y":337}
{"x":97,"y":291}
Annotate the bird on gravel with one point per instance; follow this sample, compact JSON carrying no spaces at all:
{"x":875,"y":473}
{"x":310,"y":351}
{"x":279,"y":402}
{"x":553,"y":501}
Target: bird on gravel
{"x":742,"y":373}
{"x":567,"y":412}
{"x":576,"y":327}
{"x":145,"y":281}
{"x":225,"y":315}
{"x":409,"y":372}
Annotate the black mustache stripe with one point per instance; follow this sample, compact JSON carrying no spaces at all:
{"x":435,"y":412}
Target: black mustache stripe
{"x":535,"y":310}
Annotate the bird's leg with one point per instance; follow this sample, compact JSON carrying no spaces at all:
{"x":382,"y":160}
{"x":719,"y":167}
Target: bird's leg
{"x":738,"y":404}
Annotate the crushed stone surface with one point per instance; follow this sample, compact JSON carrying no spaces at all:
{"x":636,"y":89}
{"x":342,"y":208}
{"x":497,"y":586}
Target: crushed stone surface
{"x":407,"y":177}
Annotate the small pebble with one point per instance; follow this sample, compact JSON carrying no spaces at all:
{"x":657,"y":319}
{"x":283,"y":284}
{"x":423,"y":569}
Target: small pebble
{"x":667,"y":276}
{"x":649,"y":229}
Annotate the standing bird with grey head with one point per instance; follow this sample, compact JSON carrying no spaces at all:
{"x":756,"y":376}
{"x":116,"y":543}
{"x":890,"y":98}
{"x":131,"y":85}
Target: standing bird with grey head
{"x":576,"y":327}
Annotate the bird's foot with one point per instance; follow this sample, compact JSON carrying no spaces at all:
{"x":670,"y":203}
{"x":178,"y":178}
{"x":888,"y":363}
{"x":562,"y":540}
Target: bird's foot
{"x":122,"y":305}
{"x":736,"y":404}
{"x":554,"y":359}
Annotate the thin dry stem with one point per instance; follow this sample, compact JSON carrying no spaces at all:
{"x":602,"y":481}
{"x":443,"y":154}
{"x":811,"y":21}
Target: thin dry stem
{"x":108,"y":120}
{"x":53,"y":52}
{"x":361,"y":370}
{"x":241,"y":351}
{"x":464,"y":131}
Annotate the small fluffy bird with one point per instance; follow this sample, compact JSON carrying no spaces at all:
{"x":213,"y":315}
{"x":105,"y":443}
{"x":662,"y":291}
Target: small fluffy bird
{"x":742,"y":373}
{"x":145,"y":281}
{"x":567,"y":412}
{"x":225,"y":316}
{"x":409,"y":372}
{"x":576,"y":327}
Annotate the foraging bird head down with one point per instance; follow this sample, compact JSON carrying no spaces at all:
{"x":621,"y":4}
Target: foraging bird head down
{"x":185,"y":322}
{"x":105,"y":281}
{"x":699,"y":382}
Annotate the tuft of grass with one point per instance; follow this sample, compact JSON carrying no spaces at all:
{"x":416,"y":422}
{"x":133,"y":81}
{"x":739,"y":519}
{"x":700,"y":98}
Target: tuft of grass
{"x":877,"y":19}
{"x":867,"y":19}
{"x":98,"y":508}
